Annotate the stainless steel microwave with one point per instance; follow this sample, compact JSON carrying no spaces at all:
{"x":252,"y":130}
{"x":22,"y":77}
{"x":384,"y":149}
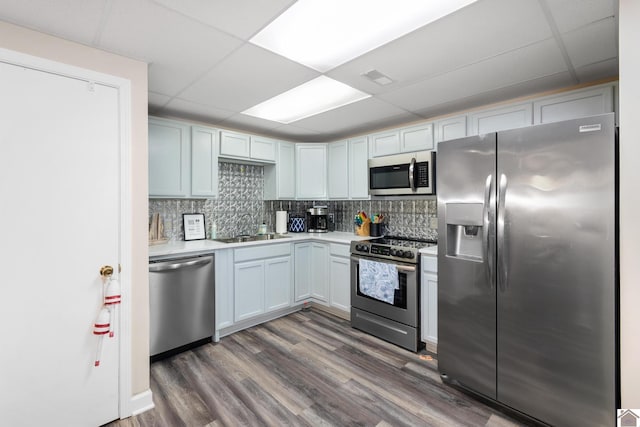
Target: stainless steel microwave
{"x":403,"y":174}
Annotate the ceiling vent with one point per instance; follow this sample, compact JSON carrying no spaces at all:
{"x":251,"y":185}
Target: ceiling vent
{"x":377,"y":77}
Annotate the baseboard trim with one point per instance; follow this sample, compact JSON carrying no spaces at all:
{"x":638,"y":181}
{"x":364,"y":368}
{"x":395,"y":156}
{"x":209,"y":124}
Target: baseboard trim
{"x":332,"y":310}
{"x":142,"y":402}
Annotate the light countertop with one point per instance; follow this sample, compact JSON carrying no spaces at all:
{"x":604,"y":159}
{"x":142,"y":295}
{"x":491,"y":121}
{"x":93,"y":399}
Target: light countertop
{"x":204,"y":246}
{"x":431,"y":250}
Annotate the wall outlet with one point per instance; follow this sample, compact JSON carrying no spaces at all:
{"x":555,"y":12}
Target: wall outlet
{"x":331,"y":218}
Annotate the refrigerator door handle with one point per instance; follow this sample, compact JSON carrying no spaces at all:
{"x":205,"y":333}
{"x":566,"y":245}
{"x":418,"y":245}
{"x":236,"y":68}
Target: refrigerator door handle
{"x":486,"y":223}
{"x":502,"y":265}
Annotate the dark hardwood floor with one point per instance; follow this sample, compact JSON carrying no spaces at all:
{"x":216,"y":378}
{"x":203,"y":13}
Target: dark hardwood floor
{"x":306,"y":369}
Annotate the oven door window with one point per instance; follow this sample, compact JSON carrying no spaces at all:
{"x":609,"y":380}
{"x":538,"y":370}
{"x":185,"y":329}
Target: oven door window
{"x":383,"y":177}
{"x":399,"y":297}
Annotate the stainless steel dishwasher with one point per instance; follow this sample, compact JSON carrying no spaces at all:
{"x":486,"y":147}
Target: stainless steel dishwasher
{"x":182,"y":302}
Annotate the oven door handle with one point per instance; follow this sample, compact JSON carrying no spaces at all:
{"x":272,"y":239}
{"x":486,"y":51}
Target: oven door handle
{"x":400,"y":267}
{"x":405,"y":268}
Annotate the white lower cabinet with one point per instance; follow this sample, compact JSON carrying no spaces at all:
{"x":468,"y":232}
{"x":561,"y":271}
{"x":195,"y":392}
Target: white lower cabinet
{"x":277,"y":283}
{"x":340,"y":277}
{"x":429,"y":302}
{"x":261,"y":280}
{"x":311,"y":275}
{"x":249,"y":283}
{"x":302,"y":271}
{"x":224,"y":288}
{"x":319,"y":276}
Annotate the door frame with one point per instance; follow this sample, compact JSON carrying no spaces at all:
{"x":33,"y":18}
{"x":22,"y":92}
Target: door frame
{"x":123,"y":86}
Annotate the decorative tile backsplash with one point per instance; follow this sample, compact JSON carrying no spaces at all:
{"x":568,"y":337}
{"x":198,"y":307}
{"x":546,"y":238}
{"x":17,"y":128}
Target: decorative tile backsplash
{"x":240,"y":208}
{"x":416,"y":218}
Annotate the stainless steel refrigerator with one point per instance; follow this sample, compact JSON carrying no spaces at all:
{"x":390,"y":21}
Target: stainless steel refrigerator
{"x":527,"y":285}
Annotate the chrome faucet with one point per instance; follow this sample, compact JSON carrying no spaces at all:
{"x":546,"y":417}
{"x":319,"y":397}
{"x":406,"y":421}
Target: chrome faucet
{"x":239,"y":222}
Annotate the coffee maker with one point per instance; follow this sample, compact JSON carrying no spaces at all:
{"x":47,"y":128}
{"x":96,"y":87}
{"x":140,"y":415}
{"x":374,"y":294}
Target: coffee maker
{"x":318,"y":219}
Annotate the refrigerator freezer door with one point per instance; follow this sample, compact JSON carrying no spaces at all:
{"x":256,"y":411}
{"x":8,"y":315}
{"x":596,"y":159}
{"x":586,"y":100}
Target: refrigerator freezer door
{"x":466,"y":262}
{"x":556,"y":300}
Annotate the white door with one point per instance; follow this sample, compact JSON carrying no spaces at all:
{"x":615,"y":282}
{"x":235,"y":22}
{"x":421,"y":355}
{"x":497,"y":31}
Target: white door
{"x":59,"y":186}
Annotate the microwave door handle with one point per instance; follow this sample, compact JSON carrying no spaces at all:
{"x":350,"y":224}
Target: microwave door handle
{"x":412,"y":167}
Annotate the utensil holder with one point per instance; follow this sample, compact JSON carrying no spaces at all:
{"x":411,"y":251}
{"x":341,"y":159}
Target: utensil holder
{"x":376,"y":230}
{"x":364,"y":229}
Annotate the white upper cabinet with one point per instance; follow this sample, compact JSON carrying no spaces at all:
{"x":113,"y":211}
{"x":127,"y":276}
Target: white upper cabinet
{"x":169,"y":153}
{"x":311,"y":171}
{"x":338,"y":170}
{"x":183,"y":159}
{"x":234,"y":144}
{"x":416,"y":138}
{"x":204,"y":161}
{"x":450,"y":128}
{"x":358,"y":168}
{"x":497,"y":119}
{"x":263,"y":149}
{"x":385,"y":143}
{"x":403,"y":140}
{"x":280,"y":179}
{"x":582,"y":103}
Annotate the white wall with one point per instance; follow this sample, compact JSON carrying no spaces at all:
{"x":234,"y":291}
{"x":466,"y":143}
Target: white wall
{"x":37,"y":44}
{"x":629,"y":38}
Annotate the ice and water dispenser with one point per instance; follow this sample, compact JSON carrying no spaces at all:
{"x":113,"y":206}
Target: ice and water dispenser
{"x":465,"y":230}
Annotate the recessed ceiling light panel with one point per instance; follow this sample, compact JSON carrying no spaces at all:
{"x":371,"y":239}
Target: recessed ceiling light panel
{"x":314,"y":97}
{"x":323,"y":34}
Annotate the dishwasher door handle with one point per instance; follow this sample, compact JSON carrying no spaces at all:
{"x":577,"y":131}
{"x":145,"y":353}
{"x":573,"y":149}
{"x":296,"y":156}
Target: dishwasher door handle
{"x":172,"y":265}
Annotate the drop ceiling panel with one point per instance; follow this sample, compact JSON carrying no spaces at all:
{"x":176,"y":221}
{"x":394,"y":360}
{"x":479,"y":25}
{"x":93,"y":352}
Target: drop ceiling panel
{"x":530,"y":87}
{"x":242,"y":18}
{"x":158,"y":100}
{"x":181,"y":108}
{"x":597,"y":71}
{"x":593,"y":43}
{"x":242,"y":121}
{"x":353,"y":115}
{"x":170,"y":42}
{"x":249,"y":76}
{"x":572,"y":14}
{"x":296,"y":133}
{"x":474,"y":33}
{"x":535,"y":61}
{"x":76,"y":20}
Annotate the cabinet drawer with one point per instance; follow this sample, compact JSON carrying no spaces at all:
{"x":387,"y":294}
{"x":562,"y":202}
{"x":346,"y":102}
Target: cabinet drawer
{"x":429,"y":264}
{"x":264,"y":251}
{"x":339,"y":250}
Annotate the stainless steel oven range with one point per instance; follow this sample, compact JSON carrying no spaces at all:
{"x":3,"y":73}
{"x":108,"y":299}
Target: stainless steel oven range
{"x":385,"y":289}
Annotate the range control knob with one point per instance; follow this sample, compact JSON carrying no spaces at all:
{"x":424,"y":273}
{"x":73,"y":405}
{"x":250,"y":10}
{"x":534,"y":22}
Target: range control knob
{"x":409,"y":255}
{"x":393,"y":252}
{"x":362,"y":248}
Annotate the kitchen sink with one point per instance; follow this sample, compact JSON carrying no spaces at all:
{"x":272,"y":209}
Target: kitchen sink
{"x":250,"y":238}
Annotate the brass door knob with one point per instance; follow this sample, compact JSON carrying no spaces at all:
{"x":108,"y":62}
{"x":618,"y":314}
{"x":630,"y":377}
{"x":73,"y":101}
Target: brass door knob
{"x":106,"y":271}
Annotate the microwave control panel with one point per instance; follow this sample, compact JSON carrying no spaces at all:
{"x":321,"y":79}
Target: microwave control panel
{"x":422,"y":174}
